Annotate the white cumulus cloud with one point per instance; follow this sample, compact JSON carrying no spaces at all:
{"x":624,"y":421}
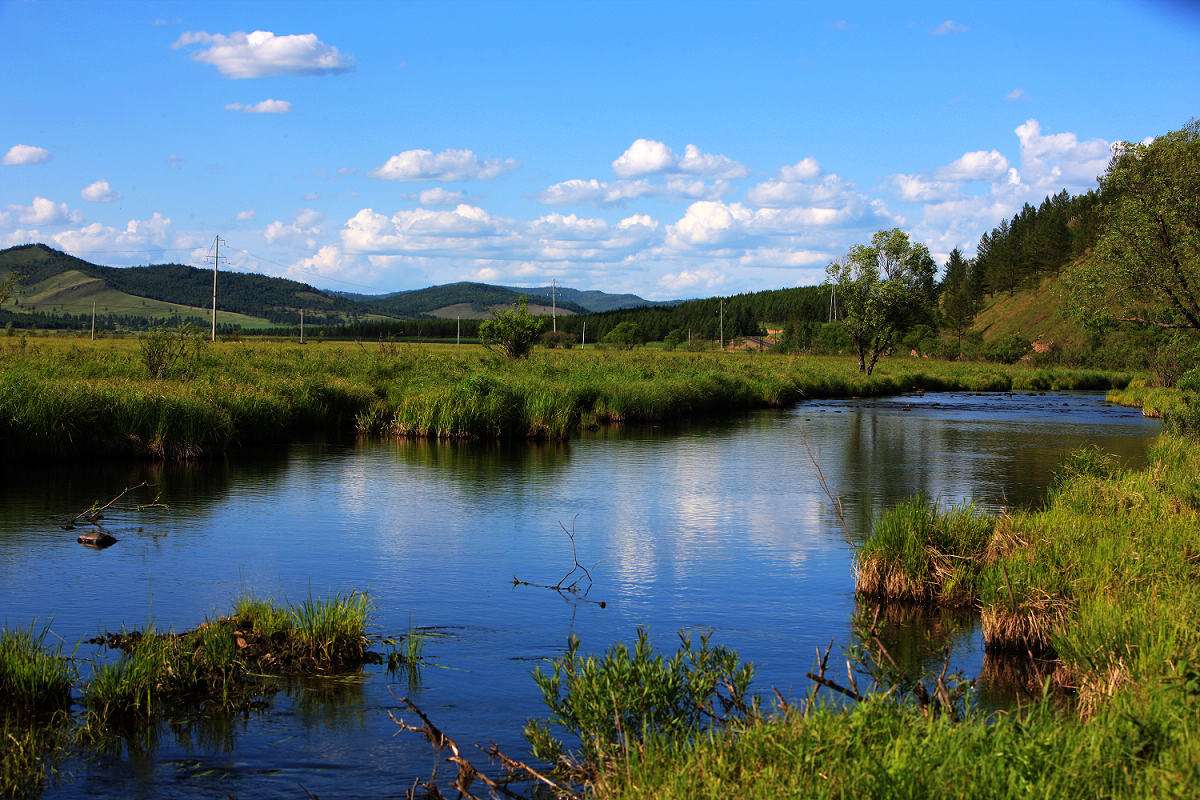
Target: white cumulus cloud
{"x":303,"y":228}
{"x":44,"y":211}
{"x":447,"y":165}
{"x":437,"y":196}
{"x":25,"y":154}
{"x":977,"y":165}
{"x":268,"y":106}
{"x":245,"y":215}
{"x":262,"y":53}
{"x":99,"y":192}
{"x":650,"y":157}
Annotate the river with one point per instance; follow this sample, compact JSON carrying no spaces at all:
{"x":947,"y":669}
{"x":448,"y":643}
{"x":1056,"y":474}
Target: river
{"x":713,"y":526}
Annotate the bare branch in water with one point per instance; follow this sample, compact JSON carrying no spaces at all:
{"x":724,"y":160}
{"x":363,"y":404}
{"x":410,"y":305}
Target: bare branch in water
{"x":468,"y":774}
{"x":577,"y":583}
{"x":834,"y":499}
{"x":98,"y":537}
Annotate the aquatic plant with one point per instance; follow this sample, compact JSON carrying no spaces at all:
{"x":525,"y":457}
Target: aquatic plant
{"x":919,"y":552}
{"x":219,"y":662}
{"x":33,"y":676}
{"x":612,"y":702}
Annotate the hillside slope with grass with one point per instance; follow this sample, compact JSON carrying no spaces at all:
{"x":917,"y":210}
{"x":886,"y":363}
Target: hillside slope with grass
{"x":55,"y":282}
{"x":74,"y":292}
{"x":465,"y":299}
{"x":1037,"y":312}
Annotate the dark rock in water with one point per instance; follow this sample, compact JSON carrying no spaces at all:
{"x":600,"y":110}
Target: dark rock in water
{"x":97,"y":539}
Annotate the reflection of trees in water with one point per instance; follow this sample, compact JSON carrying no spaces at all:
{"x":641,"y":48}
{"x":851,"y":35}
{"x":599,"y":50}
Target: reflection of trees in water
{"x":904,"y":643}
{"x":37,"y":496}
{"x":476,"y":465}
{"x":887,"y":457}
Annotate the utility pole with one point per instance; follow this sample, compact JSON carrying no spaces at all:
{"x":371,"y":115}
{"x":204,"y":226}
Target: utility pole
{"x":93,"y":320}
{"x":302,"y":326}
{"x":722,"y":323}
{"x":458,"y":331}
{"x":554,"y":304}
{"x":583,"y":341}
{"x":216,"y":259}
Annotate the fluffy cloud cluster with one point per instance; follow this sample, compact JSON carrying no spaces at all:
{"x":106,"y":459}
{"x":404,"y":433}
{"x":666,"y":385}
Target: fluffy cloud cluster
{"x":976,"y":191}
{"x":262,"y":53}
{"x":42,"y":211}
{"x":141,"y":240}
{"x":24,"y":154}
{"x":303,"y":228}
{"x":437,"y":196}
{"x":268,"y":106}
{"x":99,"y":192}
{"x":694,"y":175}
{"x":651,"y":157}
{"x":447,"y":165}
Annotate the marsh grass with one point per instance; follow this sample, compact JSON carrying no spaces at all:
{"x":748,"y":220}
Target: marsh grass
{"x":33,"y":676}
{"x":221,"y":663}
{"x":70,"y":399}
{"x":31,"y":751}
{"x":919,"y":552}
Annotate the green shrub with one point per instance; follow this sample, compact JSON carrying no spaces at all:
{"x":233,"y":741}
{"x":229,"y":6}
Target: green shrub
{"x":512,"y":331}
{"x":1189,"y":381}
{"x":624,"y":336}
{"x":1006,"y":350}
{"x":625,"y":697}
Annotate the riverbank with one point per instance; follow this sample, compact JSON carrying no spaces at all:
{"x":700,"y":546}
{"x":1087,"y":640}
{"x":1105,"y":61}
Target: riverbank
{"x":66,"y":399}
{"x":1103,"y":583}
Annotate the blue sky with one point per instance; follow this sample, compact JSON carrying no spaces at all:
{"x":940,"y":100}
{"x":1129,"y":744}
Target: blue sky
{"x":670,"y":149}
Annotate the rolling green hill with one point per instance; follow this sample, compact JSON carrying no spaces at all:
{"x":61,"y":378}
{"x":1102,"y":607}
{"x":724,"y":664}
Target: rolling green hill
{"x":55,"y":282}
{"x":592,"y":299}
{"x":451,"y":299}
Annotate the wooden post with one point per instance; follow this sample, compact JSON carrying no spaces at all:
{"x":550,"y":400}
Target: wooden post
{"x":302,"y":326}
{"x":93,"y":320}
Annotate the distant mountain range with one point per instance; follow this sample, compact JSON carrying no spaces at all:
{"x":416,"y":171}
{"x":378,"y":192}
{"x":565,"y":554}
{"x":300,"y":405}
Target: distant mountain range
{"x":55,"y":283}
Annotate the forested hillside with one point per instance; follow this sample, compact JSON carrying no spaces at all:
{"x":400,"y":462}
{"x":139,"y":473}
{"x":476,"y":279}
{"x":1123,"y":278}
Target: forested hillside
{"x":745,"y":314}
{"x":279,"y":300}
{"x":478,"y":296}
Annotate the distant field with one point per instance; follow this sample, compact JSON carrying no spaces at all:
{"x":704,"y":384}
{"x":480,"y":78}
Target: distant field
{"x":66,"y":397}
{"x":73,"y":292}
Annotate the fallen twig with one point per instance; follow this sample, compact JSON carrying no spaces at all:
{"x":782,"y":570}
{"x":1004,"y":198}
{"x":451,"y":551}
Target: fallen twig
{"x":571,"y":585}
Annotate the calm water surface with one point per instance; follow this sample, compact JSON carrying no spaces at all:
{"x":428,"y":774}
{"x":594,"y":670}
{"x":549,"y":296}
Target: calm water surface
{"x":719,"y":527}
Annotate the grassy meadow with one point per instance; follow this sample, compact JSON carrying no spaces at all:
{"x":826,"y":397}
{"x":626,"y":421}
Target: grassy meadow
{"x":70,"y":398}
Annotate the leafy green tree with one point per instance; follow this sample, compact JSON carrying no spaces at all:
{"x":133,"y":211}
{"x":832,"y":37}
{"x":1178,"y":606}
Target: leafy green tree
{"x":882,"y":288}
{"x":625,"y":335}
{"x":959,"y":304}
{"x":512,"y":331}
{"x":674,"y":338}
{"x":1145,"y":267}
{"x":8,"y":287}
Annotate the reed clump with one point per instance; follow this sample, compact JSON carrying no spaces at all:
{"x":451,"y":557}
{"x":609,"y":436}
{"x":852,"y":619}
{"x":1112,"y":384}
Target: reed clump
{"x":920,"y":553}
{"x":218,"y":663}
{"x":34,"y":677}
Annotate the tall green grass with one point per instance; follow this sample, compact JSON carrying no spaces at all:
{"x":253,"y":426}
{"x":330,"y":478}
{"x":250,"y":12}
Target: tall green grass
{"x":918,"y":552}
{"x":63,"y":400}
{"x":217,"y":663}
{"x":33,"y":676}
